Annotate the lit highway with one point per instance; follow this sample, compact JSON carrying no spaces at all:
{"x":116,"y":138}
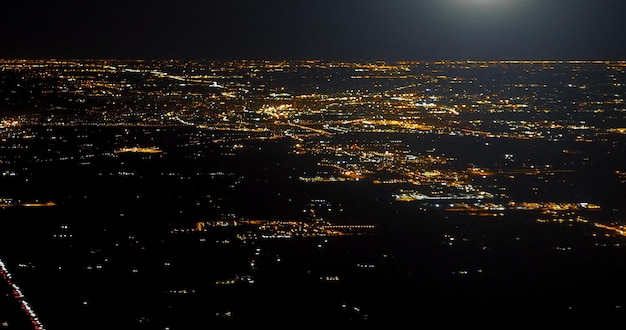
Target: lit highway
{"x":18,"y":295}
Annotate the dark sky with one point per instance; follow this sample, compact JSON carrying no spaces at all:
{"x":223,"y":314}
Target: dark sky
{"x":314,"y":29}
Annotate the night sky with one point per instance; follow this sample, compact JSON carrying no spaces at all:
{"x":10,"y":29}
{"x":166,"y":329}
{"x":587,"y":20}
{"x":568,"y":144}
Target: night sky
{"x":314,"y":29}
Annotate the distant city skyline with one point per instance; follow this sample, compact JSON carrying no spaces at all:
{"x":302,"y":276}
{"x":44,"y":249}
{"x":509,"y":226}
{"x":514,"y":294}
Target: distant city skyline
{"x":308,"y":29}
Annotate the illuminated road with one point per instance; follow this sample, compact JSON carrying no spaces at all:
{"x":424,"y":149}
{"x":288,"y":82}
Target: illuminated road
{"x":323,"y":132}
{"x":20,"y":298}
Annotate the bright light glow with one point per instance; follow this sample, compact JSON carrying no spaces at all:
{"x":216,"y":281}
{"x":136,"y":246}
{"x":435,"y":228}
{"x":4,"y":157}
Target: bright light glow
{"x":482,"y":2}
{"x":485,"y":3}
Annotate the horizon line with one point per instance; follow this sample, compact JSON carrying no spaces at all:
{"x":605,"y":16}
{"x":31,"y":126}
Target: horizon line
{"x":356,"y":60}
